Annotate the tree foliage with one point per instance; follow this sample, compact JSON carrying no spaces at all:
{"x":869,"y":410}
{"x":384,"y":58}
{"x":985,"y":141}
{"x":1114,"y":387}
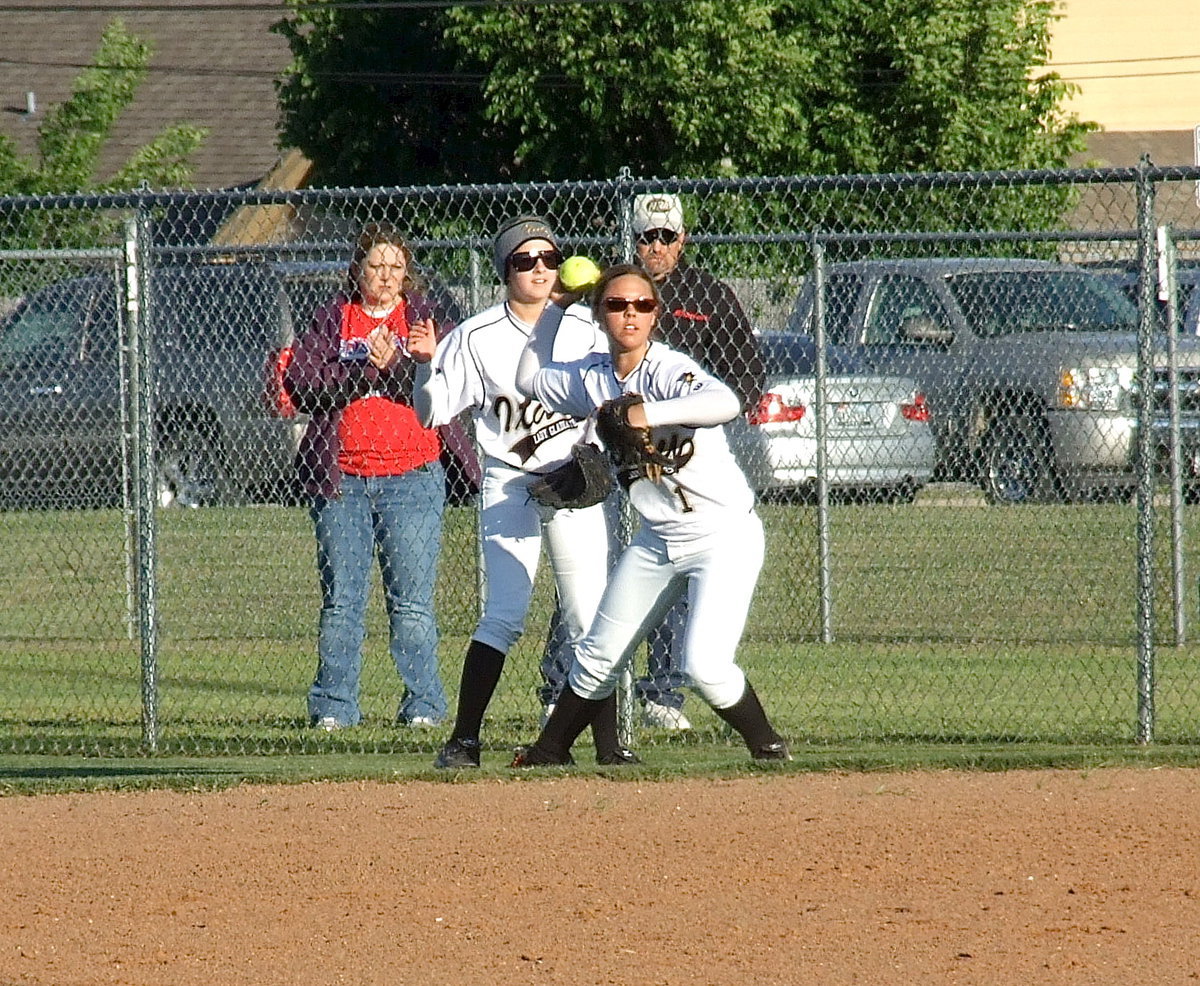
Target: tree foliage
{"x":373,"y":97}
{"x":700,"y":88}
{"x":73,"y":134}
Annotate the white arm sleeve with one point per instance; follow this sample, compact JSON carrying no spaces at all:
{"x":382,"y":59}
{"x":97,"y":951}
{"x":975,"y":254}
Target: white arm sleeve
{"x":447,"y":384}
{"x":560,"y":387}
{"x":709,"y":403}
{"x":539,"y":350}
{"x":422,"y":395}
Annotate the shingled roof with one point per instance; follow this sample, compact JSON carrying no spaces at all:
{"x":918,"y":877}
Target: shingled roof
{"x":212,"y":66}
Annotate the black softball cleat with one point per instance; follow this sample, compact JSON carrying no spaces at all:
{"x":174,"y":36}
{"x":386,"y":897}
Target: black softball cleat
{"x":773,"y":751}
{"x":535,"y":756}
{"x":458,"y":753}
{"x":619,"y":757}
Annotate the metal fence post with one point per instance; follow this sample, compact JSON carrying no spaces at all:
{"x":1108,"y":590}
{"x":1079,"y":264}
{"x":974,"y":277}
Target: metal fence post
{"x":1166,"y":292}
{"x":142,"y":465}
{"x":125,"y":270}
{"x":824,"y":550}
{"x":625,"y":211}
{"x":627,"y":519}
{"x":1145,"y":457}
{"x":474,"y":282}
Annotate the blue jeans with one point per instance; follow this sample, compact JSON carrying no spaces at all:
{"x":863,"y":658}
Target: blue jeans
{"x":401,"y":516}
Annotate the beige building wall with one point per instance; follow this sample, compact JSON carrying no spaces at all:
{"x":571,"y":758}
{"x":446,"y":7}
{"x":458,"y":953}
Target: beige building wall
{"x":1137,"y":63}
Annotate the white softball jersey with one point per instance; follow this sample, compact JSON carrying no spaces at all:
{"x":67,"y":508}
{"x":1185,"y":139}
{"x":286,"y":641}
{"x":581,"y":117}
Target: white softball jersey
{"x":685,"y":407}
{"x":475,"y":367}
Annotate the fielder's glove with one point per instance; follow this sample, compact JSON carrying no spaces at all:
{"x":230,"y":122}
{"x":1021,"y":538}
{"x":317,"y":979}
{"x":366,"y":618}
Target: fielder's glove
{"x":584,"y":480}
{"x":631,"y":449}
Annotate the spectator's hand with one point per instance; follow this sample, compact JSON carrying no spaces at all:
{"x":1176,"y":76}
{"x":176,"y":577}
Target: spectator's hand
{"x":382,"y":347}
{"x":422,"y":340}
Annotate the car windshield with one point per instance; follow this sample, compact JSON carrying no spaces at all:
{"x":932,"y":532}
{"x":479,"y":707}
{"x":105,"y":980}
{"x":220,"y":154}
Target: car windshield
{"x":1004,"y":302}
{"x":45,"y":328}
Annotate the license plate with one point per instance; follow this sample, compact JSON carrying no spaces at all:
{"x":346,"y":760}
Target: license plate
{"x":852,"y":416}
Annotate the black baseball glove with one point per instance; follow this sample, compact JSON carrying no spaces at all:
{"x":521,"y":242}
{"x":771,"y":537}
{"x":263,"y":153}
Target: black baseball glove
{"x":584,"y":480}
{"x":631,"y":449}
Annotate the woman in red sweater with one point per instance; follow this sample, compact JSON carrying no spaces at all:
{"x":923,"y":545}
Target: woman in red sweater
{"x":376,"y":482}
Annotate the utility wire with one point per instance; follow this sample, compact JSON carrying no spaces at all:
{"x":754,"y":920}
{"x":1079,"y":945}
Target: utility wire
{"x":470,"y":79}
{"x":367,"y":5}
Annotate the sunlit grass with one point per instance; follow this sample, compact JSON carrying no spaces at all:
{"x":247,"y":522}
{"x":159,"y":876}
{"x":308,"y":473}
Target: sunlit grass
{"x":955,"y":625}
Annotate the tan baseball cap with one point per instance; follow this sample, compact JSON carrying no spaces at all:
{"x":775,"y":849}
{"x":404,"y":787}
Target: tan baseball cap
{"x":658,"y":210}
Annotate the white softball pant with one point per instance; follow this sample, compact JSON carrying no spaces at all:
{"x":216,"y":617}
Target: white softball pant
{"x":514,"y":529}
{"x":718,"y":573}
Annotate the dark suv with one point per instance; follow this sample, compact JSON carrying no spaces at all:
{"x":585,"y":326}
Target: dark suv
{"x":224,"y":429}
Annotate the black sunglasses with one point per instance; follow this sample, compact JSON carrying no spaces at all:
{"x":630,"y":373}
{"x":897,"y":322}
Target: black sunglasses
{"x":664,"y":236}
{"x":643,"y":306}
{"x":527,"y":261}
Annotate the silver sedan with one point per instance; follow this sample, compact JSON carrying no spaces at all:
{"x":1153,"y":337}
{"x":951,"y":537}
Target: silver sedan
{"x":879,"y":443}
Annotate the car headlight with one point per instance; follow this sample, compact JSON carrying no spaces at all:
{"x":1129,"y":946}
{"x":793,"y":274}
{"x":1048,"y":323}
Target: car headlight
{"x":1095,"y":388}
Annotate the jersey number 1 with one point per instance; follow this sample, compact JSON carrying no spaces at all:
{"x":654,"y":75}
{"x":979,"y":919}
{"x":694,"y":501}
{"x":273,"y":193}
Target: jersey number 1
{"x":687,"y":505}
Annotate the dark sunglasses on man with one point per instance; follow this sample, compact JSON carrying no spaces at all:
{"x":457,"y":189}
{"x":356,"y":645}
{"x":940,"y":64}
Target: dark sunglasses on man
{"x":662,"y":235}
{"x":525,"y":262}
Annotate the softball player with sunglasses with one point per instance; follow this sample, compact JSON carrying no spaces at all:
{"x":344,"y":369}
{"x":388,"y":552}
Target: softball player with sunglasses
{"x":474,"y":367}
{"x":699,"y":534}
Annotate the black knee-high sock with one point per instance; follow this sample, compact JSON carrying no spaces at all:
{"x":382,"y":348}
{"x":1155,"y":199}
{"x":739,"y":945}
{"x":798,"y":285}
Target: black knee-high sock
{"x":570,"y":718}
{"x":604,"y":726}
{"x":480,"y":674}
{"x":748,"y":717}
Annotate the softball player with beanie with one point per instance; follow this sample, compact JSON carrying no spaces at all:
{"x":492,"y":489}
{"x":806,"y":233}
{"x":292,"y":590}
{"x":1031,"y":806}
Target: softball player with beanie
{"x":474,"y":367}
{"x":699,"y":534}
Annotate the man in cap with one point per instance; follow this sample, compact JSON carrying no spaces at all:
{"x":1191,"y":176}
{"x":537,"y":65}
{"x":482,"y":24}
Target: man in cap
{"x":700,"y":316}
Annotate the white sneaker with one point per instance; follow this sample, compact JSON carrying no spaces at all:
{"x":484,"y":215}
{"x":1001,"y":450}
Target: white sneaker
{"x":423,"y":722}
{"x":327,"y":724}
{"x":547,"y":712}
{"x":664,"y":717}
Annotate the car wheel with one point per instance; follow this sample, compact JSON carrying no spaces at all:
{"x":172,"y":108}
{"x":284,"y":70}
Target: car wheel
{"x":1016,"y":462}
{"x":191,"y":471}
{"x":905,"y":492}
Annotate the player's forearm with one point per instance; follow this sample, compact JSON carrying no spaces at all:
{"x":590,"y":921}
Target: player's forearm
{"x":423,"y":395}
{"x":713,"y":405}
{"x":539,"y":349}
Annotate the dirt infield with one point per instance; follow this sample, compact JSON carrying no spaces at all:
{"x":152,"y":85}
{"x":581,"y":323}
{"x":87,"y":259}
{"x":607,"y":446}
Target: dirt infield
{"x":892,"y":878}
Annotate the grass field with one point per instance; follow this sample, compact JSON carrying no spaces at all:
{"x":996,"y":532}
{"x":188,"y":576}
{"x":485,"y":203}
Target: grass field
{"x":954,"y":627}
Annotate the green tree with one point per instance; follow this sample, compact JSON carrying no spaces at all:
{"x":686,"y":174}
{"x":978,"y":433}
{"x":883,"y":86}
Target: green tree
{"x":374,"y":97}
{"x":761,"y":87}
{"x":772,"y":86}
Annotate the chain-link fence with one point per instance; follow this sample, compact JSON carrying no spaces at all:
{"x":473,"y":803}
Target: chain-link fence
{"x":977,"y":454}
